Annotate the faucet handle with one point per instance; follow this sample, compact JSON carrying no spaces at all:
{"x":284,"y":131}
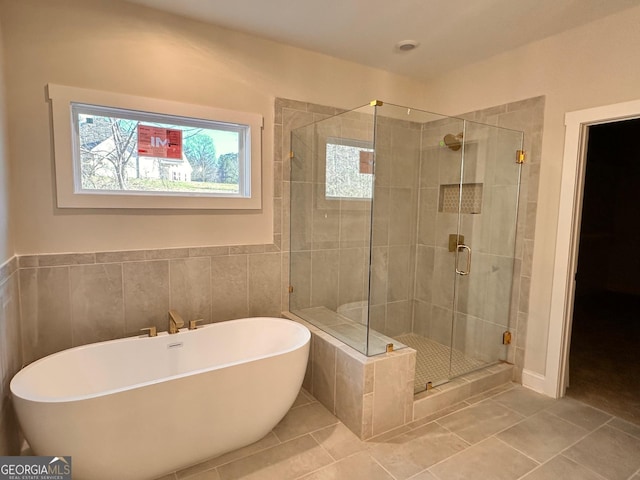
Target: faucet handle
{"x":193,"y":324}
{"x":153,"y":331}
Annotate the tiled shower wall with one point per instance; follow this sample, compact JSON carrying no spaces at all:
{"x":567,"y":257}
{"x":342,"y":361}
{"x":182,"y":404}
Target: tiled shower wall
{"x":329,"y":246}
{"x":528,"y":117}
{"x":398,"y":298}
{"x":394,"y":224}
{"x":488,"y":224}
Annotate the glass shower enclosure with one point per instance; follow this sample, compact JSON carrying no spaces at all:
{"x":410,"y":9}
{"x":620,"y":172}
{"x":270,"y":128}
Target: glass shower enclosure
{"x":402,"y":233}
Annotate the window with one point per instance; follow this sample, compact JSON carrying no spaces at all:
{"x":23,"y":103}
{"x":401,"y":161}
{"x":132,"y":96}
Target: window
{"x":120,"y":151}
{"x":349,"y":169}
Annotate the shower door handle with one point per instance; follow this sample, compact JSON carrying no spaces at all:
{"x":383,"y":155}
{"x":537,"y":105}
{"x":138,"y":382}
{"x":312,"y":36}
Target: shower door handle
{"x":468,"y":249}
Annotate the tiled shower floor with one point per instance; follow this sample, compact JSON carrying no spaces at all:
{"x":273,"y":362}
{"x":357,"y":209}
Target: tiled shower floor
{"x":432,"y":360}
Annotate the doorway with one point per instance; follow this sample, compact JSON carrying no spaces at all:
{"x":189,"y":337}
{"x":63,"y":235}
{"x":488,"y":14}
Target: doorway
{"x":604,"y":359}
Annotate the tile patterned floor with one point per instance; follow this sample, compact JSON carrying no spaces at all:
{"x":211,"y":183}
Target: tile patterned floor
{"x":508,"y":433}
{"x":433,"y":358}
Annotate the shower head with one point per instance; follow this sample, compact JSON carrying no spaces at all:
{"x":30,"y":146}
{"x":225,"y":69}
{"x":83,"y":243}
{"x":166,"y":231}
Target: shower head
{"x":454,"y":142}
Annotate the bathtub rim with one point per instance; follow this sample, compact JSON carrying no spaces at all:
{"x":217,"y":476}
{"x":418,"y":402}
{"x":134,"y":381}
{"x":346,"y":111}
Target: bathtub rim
{"x":306,"y":340}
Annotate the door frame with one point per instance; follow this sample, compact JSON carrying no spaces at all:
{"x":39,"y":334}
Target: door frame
{"x":568,"y":235}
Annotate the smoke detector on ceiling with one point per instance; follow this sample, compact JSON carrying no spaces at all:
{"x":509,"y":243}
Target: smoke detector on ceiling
{"x":406,"y":45}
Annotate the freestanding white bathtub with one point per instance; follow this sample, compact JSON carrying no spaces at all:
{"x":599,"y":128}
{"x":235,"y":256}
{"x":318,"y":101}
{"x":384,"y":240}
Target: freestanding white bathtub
{"x":138,"y":408}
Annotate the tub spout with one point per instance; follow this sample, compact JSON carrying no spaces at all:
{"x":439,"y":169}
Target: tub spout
{"x":175,"y":322}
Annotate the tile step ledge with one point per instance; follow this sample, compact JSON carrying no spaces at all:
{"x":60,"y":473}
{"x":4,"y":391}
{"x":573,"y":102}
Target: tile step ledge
{"x":460,"y":389}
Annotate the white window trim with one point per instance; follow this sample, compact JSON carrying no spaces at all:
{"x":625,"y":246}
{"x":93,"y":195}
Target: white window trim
{"x":61,"y":98}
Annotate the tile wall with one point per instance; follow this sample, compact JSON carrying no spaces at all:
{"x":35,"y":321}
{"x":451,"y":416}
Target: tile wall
{"x":394,"y":224}
{"x":528,"y":117}
{"x":370,"y":395}
{"x":489,"y":227}
{"x":10,"y":355}
{"x":74,"y":299}
{"x":406,"y":209}
{"x":330,"y":245}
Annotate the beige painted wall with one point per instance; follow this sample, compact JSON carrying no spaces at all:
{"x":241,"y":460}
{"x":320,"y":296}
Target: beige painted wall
{"x":596,"y":64}
{"x":113,"y":46}
{"x":6,"y":240}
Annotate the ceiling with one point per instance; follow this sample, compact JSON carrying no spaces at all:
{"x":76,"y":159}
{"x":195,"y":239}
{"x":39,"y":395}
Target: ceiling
{"x":451,"y":33}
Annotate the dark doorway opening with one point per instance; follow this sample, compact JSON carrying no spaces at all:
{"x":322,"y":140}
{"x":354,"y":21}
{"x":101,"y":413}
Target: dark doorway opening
{"x":604,"y":362}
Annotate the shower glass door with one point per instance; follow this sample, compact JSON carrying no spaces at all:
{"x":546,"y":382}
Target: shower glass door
{"x":485,"y":255}
{"x":331,"y":185}
{"x":403,"y":233}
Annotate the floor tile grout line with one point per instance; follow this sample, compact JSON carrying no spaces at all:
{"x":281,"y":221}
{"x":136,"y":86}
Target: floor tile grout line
{"x":524,"y":418}
{"x":375,"y":440}
{"x":200,"y":472}
{"x":574,"y":423}
{"x":526,"y":415}
{"x":327,"y":450}
{"x":303,"y":405}
{"x":244,"y":457}
{"x":537,"y":462}
{"x":537,"y":467}
{"x":337,"y":422}
{"x":437,"y":477}
{"x":469,"y":444}
{"x":328,"y":464}
{"x":415,"y":475}
{"x":411,"y":429}
{"x":454,"y":454}
{"x":560,"y":452}
{"x":581,"y":465}
{"x":472,"y":405}
{"x":619,"y":429}
{"x":567,"y":458}
{"x":383,"y":467}
{"x":570,"y":422}
{"x":590,"y":406}
{"x":268,"y":448}
{"x":419,"y":425}
{"x":277,"y":437}
{"x":490,"y":397}
{"x":468,"y":406}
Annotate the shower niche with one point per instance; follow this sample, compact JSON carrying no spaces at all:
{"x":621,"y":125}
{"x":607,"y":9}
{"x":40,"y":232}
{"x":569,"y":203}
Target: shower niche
{"x":376,"y":195}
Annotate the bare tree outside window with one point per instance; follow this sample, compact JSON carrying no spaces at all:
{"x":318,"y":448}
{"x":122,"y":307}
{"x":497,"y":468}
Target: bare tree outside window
{"x":110,"y":158}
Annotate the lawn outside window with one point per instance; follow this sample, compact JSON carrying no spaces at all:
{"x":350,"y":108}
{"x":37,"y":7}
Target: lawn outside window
{"x":121,"y":151}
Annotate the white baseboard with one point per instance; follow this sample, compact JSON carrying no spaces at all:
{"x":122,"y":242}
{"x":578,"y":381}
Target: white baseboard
{"x":534,"y":381}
